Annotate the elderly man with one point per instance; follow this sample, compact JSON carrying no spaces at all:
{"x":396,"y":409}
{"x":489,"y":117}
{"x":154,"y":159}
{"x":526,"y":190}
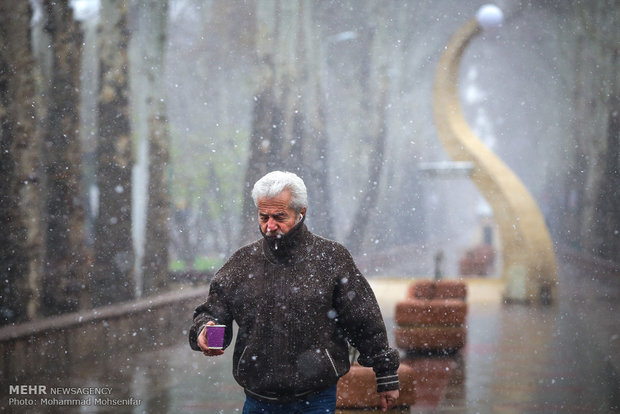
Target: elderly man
{"x":299,"y":300}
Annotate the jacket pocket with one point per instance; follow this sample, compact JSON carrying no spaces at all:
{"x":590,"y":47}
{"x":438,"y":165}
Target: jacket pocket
{"x":331,"y":361}
{"x":317,"y":366}
{"x":241,"y":361}
{"x":254,"y":369}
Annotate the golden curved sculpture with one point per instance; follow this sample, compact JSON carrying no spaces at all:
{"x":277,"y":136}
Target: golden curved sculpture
{"x":529,"y":268}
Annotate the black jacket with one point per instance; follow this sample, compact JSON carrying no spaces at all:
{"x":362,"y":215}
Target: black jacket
{"x":297,"y":300}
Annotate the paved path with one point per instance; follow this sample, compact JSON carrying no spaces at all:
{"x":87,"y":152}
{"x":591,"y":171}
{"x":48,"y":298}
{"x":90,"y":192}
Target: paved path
{"x":518,"y":359}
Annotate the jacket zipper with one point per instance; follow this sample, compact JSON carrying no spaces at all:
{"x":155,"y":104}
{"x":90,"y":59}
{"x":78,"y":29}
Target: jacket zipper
{"x":241,"y":359}
{"x":332,"y":361}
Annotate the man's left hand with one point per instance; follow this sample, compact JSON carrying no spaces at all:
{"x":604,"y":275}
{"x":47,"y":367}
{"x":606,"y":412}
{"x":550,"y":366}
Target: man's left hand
{"x":388,"y":399}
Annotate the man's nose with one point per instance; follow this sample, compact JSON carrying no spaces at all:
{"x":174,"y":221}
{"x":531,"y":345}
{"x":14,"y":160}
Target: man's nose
{"x":271,"y":224}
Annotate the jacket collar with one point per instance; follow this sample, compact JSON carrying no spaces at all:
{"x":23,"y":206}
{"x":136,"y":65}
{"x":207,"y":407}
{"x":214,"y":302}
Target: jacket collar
{"x":288,"y":248}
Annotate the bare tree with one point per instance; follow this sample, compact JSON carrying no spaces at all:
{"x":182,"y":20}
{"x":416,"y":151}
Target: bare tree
{"x":113,"y":255}
{"x":375,"y":89}
{"x":288,"y":125}
{"x":65,"y":254}
{"x":310,"y":122}
{"x":156,"y":258}
{"x":593,"y":195}
{"x":369,"y":194}
{"x":20,"y":245}
{"x":266,"y":119}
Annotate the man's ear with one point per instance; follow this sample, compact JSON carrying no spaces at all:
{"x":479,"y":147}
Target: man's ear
{"x":302,"y":212}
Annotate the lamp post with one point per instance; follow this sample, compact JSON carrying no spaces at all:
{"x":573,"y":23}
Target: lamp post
{"x":529,"y":268}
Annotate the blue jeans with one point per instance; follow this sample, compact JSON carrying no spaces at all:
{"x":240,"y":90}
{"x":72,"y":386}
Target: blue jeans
{"x":321,"y":403}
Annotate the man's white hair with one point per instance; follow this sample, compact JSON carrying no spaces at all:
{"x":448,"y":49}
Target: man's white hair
{"x":273,"y":183}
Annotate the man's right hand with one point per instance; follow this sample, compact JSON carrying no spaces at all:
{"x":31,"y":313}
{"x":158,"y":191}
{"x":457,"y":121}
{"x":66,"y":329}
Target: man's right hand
{"x":204,"y":345}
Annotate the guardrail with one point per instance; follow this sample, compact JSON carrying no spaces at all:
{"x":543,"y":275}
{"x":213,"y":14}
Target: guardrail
{"x":53,"y":343}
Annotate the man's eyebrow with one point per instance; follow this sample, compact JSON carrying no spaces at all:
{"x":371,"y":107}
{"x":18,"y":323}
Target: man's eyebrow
{"x":281,"y":213}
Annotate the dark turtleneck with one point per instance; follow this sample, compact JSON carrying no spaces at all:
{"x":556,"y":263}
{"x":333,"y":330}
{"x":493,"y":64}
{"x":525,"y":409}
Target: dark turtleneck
{"x":286,"y":248}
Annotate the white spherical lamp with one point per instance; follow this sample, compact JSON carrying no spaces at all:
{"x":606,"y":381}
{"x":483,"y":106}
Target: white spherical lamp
{"x":489,"y":16}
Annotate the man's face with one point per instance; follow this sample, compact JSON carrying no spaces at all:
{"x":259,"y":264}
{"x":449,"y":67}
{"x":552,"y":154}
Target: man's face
{"x":275,"y":215}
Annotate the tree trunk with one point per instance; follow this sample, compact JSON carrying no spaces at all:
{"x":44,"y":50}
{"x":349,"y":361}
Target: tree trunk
{"x":610,"y":196}
{"x":369,"y":195}
{"x":20,"y":246}
{"x":597,"y":103}
{"x":113,"y":255}
{"x":265,"y":120}
{"x":288,"y":127}
{"x":312,"y":139}
{"x":374,"y":72}
{"x":156,"y":259}
{"x":605,"y":217}
{"x":65,"y":255}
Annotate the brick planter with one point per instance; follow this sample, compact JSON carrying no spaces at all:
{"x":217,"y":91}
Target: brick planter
{"x":433,"y":377}
{"x":395,"y":410}
{"x":430,"y":312}
{"x":430,"y":338}
{"x":441,"y":289}
{"x":432,"y":317}
{"x":358,"y":388}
